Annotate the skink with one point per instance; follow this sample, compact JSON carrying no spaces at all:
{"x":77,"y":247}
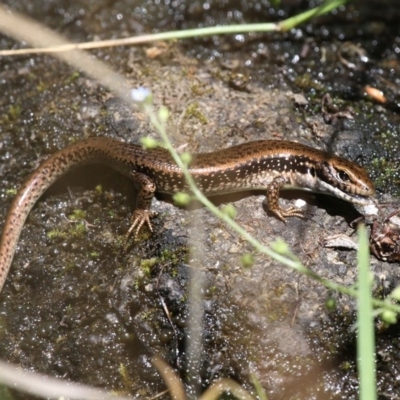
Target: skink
{"x":270,"y":165}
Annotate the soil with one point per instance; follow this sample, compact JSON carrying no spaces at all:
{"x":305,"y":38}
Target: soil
{"x":77,"y":305}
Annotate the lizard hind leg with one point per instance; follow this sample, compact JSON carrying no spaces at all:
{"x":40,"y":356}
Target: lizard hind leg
{"x":139,"y":218}
{"x":142,"y":213}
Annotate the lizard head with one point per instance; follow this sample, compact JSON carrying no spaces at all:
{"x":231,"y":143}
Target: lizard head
{"x":346,"y":180}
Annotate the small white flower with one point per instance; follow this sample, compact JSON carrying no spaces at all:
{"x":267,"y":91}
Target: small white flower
{"x":140,"y":94}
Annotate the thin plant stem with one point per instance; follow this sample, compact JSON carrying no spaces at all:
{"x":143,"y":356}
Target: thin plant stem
{"x":284,"y":25}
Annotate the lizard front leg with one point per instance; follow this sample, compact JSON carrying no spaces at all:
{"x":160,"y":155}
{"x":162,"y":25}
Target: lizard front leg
{"x":273,"y":200}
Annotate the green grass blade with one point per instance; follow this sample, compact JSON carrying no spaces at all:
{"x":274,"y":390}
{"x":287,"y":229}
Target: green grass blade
{"x":365,"y":322}
{"x":324,"y":8}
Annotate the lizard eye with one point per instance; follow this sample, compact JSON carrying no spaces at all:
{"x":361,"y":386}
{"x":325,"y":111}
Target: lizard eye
{"x":343,"y":176}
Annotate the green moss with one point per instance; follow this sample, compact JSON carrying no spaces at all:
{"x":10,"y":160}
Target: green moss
{"x":306,"y":81}
{"x":147,"y":316}
{"x":193,"y":111}
{"x":56,"y":234}
{"x":387,"y":169}
{"x":346,"y":366}
{"x":146,"y":265}
{"x":78,"y":230}
{"x":199,"y":90}
{"x":225,"y":267}
{"x":69,"y":265}
{"x":14,"y":112}
{"x":41,"y":87}
{"x":120,"y":241}
{"x":77,"y":215}
{"x":277,"y":312}
{"x":73,"y":77}
{"x":279,"y":290}
{"x":11,"y":192}
{"x":213,"y":238}
{"x":174,"y":258}
{"x":211,"y":290}
{"x":259,"y":123}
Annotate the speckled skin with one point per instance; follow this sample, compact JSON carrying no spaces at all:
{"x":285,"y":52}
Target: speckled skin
{"x":269,"y":164}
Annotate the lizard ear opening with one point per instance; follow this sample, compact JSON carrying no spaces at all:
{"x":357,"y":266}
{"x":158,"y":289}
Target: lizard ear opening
{"x":327,"y":173}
